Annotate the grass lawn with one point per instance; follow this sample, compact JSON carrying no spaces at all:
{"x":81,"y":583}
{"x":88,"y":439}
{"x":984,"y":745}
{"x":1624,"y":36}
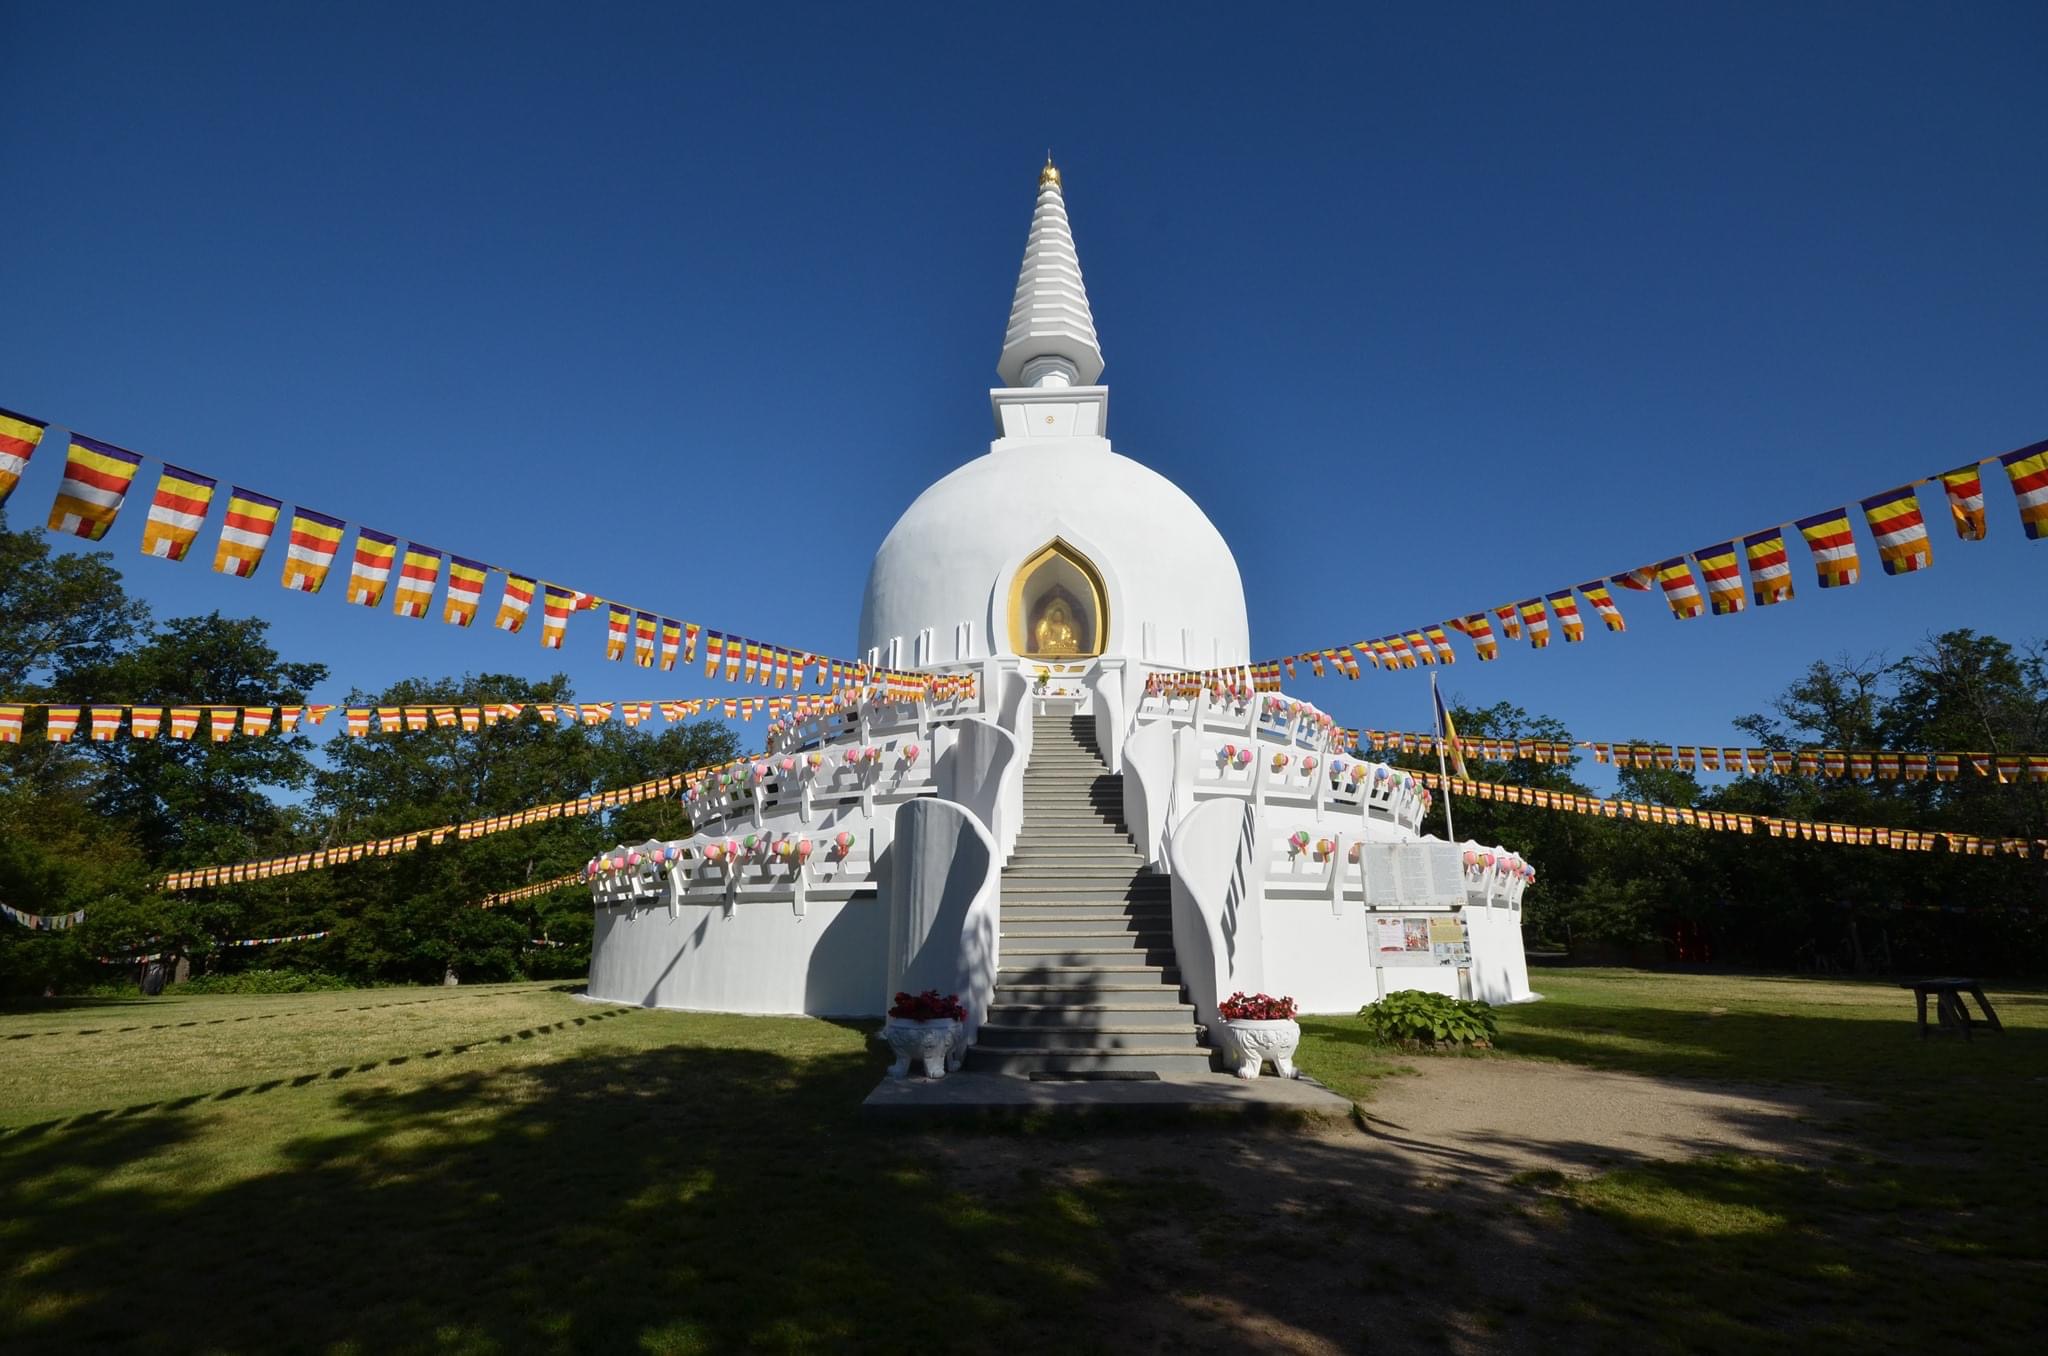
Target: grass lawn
{"x":509,"y":1169}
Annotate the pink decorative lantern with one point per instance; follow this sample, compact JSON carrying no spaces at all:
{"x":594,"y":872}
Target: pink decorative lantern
{"x":1308,"y":764}
{"x":788,"y":765}
{"x":910,"y":753}
{"x":844,"y":842}
{"x":803,"y":849}
{"x":1298,"y":840}
{"x":714,"y":852}
{"x":1244,"y":757}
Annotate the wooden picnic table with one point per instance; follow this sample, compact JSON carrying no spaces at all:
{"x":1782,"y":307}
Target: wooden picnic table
{"x":1949,"y":1008}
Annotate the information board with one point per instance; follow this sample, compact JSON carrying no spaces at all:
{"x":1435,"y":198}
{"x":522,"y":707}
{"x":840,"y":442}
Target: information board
{"x":1419,"y":939}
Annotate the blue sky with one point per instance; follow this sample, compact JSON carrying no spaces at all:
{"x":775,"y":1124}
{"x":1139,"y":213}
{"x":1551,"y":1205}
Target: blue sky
{"x":1430,"y":309}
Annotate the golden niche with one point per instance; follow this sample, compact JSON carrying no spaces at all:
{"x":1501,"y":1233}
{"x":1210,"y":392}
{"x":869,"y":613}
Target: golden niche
{"x":1058,"y":608}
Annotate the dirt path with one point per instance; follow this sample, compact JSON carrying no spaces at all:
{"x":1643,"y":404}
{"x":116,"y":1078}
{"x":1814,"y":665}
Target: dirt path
{"x":1501,"y":1117}
{"x":1412,"y":1233}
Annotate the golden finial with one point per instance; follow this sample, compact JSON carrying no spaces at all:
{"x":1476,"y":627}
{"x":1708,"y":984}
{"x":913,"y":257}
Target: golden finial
{"x":1050,"y":174}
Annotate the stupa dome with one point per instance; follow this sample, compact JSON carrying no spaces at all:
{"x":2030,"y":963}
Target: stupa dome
{"x":944,"y":585}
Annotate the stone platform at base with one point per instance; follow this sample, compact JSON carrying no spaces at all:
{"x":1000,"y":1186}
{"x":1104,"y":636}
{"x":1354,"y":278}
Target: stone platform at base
{"x":1005,"y":1097}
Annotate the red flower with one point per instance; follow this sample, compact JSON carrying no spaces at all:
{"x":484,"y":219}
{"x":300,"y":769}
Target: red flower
{"x":1259,"y":1007}
{"x":928,"y":1006}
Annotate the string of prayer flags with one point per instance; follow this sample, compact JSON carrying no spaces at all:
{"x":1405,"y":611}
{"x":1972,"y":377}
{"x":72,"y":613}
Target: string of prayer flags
{"x":176,"y":513}
{"x":1477,"y":629}
{"x":43,"y":922}
{"x":1833,"y":545}
{"x":1849,"y":835}
{"x":1680,"y":589}
{"x":245,"y":533}
{"x":465,"y":590}
{"x":2028,"y":470}
{"x":96,"y":480}
{"x":19,"y":438}
{"x":514,"y":603}
{"x":1899,"y":530}
{"x":376,"y":553}
{"x":418,"y":573}
{"x":314,"y":541}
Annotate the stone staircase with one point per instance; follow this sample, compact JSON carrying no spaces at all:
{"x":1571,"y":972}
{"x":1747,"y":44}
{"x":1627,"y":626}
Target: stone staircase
{"x":1088,"y":983}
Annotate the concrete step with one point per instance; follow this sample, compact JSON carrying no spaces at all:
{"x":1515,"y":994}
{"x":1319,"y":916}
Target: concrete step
{"x":1060,"y":923}
{"x":1138,"y":992}
{"x":1099,"y":1037}
{"x":1150,"y":913}
{"x":1167,"y":1012}
{"x":1094,"y":882}
{"x":1030,"y":952}
{"x":1135,"y":1059}
{"x":1055,"y":976}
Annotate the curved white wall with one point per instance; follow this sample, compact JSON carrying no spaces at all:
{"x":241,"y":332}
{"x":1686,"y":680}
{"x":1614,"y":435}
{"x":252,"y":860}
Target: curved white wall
{"x":951,"y":556}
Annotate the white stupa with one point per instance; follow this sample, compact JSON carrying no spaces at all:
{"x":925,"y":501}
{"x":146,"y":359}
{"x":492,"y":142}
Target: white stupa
{"x":1052,"y":523}
{"x":1092,"y":829}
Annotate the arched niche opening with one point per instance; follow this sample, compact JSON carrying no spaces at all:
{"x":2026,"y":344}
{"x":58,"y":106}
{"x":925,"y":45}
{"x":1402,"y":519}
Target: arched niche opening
{"x":1058,"y":606}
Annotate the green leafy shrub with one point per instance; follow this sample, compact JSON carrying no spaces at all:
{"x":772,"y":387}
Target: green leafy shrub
{"x":1413,"y":1018}
{"x":265,"y":981}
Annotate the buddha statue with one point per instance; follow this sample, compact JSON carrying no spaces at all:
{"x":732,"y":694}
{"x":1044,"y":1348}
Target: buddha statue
{"x":1055,"y":632}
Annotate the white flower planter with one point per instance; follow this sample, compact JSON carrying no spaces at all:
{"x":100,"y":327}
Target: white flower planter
{"x":936,"y":1044}
{"x":1253,"y":1043}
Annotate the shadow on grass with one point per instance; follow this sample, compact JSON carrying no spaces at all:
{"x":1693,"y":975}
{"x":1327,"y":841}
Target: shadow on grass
{"x":695,"y":1198}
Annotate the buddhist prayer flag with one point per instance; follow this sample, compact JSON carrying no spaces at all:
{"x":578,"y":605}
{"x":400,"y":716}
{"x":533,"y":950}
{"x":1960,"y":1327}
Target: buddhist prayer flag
{"x":221,"y":722}
{"x":714,"y":652}
{"x":145,"y":721}
{"x":672,"y":644}
{"x":1419,"y":647}
{"x":176,"y":513}
{"x":2028,"y":469}
{"x":1639,"y":579}
{"x":1537,"y":622}
{"x":556,"y":605}
{"x":1833,"y":544}
{"x":1510,"y":625}
{"x":19,"y":438}
{"x":1567,"y":609}
{"x":644,"y":630}
{"x":514,"y":603}
{"x":1964,"y":487}
{"x":256,"y":720}
{"x":1479,"y":629}
{"x":314,"y":542}
{"x":63,"y":720}
{"x":184,"y":721}
{"x":1680,"y":589}
{"x":1603,"y":603}
{"x":1899,"y":530}
{"x":1723,"y":574}
{"x":1442,"y":642}
{"x":418,"y":572}
{"x":245,"y":533}
{"x":690,"y":633}
{"x":106,"y":723}
{"x":465,"y":590}
{"x":615,"y":633}
{"x":375,"y":554}
{"x":96,"y":479}
{"x":1770,"y":571}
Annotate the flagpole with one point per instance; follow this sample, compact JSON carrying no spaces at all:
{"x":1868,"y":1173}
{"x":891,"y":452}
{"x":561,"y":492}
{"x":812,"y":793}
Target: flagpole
{"x":1436,"y":707}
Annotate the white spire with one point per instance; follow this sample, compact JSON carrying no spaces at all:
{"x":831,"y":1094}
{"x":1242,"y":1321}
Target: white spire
{"x":1051,"y":339}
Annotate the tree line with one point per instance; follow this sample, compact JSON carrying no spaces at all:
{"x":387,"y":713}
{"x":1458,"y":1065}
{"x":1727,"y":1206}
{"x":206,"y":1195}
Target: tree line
{"x":92,"y":826}
{"x":1635,"y":891}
